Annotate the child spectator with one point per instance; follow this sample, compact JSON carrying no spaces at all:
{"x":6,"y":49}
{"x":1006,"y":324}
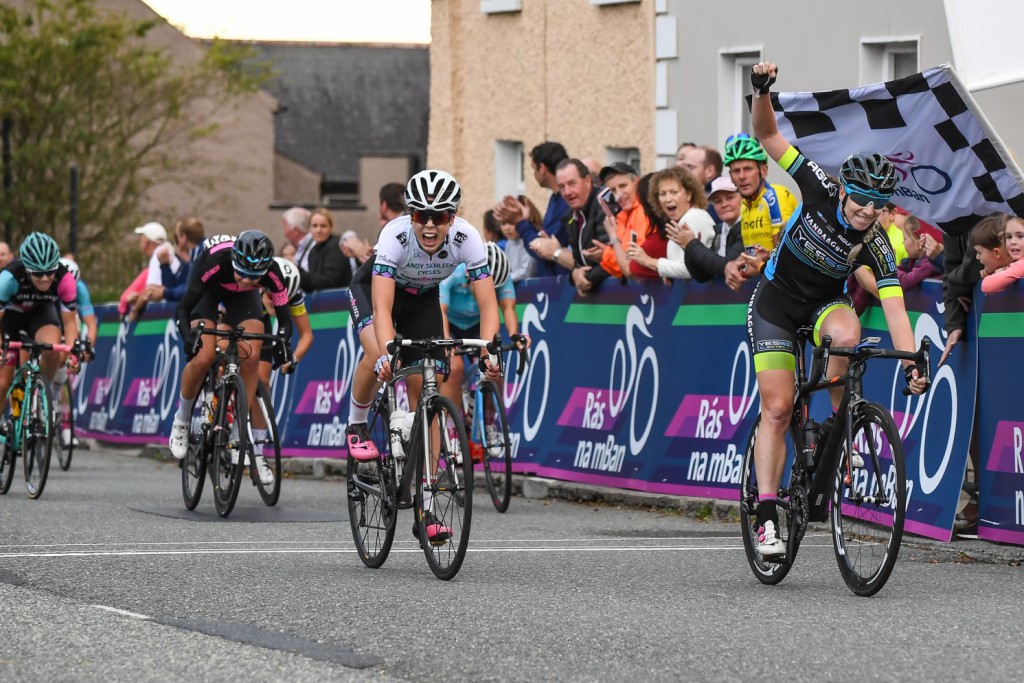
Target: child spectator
{"x":1010,"y":259}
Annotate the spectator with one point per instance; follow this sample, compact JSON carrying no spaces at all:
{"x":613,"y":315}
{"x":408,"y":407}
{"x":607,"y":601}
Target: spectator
{"x":655,"y":244}
{"x":492,"y":229}
{"x":720,"y":259}
{"x":678,"y":197}
{"x":894,"y":229}
{"x":705,"y":163}
{"x":594,"y":166}
{"x":521,"y":264}
{"x":392,"y":202}
{"x":287,"y":251}
{"x":625,"y":220}
{"x":6,"y":255}
{"x":585,"y":226}
{"x":924,"y":260}
{"x":188,"y":239}
{"x":544,"y":159}
{"x":766,"y":208}
{"x":681,"y":152}
{"x":1013,"y":243}
{"x":296,"y":231}
{"x":355,"y":248}
{"x":325,"y":266}
{"x":152,"y":238}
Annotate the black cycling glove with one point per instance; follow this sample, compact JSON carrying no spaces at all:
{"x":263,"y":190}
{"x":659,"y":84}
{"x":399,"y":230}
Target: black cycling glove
{"x":761,"y":82}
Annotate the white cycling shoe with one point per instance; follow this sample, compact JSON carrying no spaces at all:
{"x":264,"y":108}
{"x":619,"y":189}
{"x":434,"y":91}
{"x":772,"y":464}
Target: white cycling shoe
{"x":263,"y":470}
{"x":769,"y":544}
{"x":179,"y":439}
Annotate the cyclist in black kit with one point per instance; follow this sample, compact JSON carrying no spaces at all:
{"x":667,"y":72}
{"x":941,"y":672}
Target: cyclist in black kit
{"x":834,"y":231}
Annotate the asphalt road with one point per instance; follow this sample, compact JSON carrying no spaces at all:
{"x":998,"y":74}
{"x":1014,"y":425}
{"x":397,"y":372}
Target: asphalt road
{"x":107,"y":577}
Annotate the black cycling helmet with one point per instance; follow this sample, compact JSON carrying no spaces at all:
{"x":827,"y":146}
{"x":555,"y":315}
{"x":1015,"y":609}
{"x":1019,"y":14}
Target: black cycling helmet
{"x":252,"y":254}
{"x":871,"y":176}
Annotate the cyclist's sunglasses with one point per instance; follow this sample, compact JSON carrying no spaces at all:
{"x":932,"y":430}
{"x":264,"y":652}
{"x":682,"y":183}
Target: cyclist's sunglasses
{"x":43,"y":273}
{"x":250,"y":274}
{"x":424,"y":216}
{"x":864,"y":198}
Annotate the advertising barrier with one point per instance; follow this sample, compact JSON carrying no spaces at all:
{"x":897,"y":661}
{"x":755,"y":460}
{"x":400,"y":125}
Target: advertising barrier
{"x":646,"y":387}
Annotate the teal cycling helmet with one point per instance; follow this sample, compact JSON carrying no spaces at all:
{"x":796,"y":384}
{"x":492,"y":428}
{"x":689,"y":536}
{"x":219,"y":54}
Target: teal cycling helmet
{"x":742,"y":146}
{"x":39,"y":253}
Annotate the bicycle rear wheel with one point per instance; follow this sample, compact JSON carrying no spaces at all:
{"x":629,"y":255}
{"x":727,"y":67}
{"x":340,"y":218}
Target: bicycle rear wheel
{"x":868,"y":511}
{"x":7,"y":457}
{"x":197,"y":457}
{"x":371,"y":495}
{"x":450,"y":508}
{"x":497,"y":449}
{"x":65,"y":414}
{"x":269,"y":492}
{"x":231,"y":445}
{"x":37,"y":436}
{"x":767,"y":571}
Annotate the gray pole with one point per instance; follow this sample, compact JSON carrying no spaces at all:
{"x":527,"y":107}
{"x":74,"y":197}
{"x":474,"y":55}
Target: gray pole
{"x":5,"y":135}
{"x":73,"y":230}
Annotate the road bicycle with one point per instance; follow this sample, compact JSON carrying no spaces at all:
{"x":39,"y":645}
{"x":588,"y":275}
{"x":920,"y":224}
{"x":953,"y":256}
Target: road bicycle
{"x":215,"y":442}
{"x":487,"y":422}
{"x":29,"y":428}
{"x":433,"y":456}
{"x":849,"y":471}
{"x":64,"y":413}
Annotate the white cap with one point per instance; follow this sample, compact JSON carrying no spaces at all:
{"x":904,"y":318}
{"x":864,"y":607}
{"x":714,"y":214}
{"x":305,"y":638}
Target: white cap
{"x":154,"y":232}
{"x":348,"y":235}
{"x":721,"y":184}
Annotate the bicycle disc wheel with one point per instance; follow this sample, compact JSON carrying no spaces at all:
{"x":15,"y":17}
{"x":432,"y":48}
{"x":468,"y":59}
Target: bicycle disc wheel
{"x":497,"y":448}
{"x":197,"y":457}
{"x":7,"y":457}
{"x":767,"y":571}
{"x":868,"y":512}
{"x":37,"y":437}
{"x":65,"y":415}
{"x":371,"y":495}
{"x":231,"y":445}
{"x":271,"y":447}
{"x":450,"y":486}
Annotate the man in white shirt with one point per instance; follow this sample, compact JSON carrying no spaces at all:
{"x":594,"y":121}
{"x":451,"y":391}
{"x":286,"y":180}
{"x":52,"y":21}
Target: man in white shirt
{"x":154,"y":239}
{"x":296,"y":231}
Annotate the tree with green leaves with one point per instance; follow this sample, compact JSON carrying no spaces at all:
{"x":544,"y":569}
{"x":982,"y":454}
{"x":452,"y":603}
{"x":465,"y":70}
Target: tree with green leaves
{"x":83,"y":85}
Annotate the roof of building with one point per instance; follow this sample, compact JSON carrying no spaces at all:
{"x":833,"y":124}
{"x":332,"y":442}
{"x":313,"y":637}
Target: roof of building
{"x":339,"y":102}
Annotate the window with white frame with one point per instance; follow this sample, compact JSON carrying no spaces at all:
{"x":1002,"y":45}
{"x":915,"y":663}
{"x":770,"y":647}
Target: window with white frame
{"x":886,"y":59}
{"x":733,"y":88}
{"x":499,"y":6}
{"x":628,"y":155}
{"x":508,"y":168}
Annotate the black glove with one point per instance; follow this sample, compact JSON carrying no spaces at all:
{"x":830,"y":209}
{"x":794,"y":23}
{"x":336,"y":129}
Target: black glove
{"x":193,"y":342}
{"x":761,"y":82}
{"x":908,"y":374}
{"x":283,"y":356}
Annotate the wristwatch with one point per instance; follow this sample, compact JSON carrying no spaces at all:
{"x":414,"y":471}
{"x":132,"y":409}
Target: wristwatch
{"x":556,"y":253}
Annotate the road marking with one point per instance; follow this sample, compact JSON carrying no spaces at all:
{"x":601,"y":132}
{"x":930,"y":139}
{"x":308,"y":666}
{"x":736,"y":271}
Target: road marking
{"x":122,"y":612}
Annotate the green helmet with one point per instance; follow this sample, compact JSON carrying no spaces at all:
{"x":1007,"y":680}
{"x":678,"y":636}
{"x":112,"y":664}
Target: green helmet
{"x":39,"y":253}
{"x":743,"y":147}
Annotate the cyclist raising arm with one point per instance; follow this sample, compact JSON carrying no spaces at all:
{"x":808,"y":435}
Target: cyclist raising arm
{"x":229,"y":271}
{"x":831,"y":233}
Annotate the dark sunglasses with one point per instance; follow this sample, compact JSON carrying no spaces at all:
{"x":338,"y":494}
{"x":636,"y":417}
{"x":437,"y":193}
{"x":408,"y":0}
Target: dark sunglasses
{"x":43,"y":273}
{"x":424,"y":216}
{"x":874,"y":199}
{"x":250,"y":274}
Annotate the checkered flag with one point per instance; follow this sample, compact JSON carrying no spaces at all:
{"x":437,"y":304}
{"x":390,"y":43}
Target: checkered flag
{"x":954,"y":169}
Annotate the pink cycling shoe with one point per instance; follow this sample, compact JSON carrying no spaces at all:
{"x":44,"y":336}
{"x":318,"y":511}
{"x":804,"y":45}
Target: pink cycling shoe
{"x":360,"y":446}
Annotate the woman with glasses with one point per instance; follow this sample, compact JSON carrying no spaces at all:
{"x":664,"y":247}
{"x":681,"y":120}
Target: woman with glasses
{"x":396,"y":292}
{"x":835,"y":231}
{"x":229,"y":272}
{"x":32,"y":290}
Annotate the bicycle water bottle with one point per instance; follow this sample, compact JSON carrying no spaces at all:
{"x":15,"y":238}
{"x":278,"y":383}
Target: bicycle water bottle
{"x":811,"y":428}
{"x":400,"y":428}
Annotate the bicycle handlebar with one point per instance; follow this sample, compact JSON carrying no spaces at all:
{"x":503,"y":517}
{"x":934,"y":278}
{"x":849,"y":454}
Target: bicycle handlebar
{"x":864,"y":350}
{"x":518,"y":344}
{"x":493,"y":347}
{"x":238,"y":333}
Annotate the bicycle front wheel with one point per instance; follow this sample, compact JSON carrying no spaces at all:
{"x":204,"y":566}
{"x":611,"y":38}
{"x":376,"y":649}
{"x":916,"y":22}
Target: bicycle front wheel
{"x":231,"y":445}
{"x":444,"y":495}
{"x":767,"y":571}
{"x":372,"y":494}
{"x":197,"y":457}
{"x":65,"y":415}
{"x":37,"y":436}
{"x":7,"y":457}
{"x":271,"y":447}
{"x":497,"y":448}
{"x":869,"y":502}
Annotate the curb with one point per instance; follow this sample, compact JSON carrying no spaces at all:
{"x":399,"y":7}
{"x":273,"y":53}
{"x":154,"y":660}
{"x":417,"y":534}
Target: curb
{"x":702,"y":509}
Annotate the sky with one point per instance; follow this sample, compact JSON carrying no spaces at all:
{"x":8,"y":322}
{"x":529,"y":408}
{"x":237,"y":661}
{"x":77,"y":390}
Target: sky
{"x":335,"y":21}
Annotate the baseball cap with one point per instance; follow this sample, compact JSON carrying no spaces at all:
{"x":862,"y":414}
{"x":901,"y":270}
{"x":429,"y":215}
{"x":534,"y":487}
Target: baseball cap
{"x":618,"y":168}
{"x":721,"y":184}
{"x":153,"y":231}
{"x":348,"y":235}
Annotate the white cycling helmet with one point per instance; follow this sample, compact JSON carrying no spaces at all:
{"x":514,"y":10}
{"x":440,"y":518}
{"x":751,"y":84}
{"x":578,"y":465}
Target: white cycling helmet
{"x":72,"y":268}
{"x":433,"y":190}
{"x":497,"y":261}
{"x":291,"y":276}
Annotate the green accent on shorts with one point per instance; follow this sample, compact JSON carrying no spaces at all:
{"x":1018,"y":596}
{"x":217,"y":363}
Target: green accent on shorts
{"x":774,"y":360}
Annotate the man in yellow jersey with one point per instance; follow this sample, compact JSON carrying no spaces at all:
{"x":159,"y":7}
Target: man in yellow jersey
{"x":766,"y":208}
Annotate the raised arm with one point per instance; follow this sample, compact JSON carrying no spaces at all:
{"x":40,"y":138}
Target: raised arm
{"x":762,"y":116}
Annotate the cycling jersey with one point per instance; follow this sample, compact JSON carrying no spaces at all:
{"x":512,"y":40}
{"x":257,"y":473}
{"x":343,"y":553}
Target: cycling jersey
{"x":463,"y":310}
{"x":212,"y":282}
{"x":17,"y":293}
{"x":400,"y":257}
{"x":84,"y":300}
{"x":813,"y":258}
{"x":764,"y":216}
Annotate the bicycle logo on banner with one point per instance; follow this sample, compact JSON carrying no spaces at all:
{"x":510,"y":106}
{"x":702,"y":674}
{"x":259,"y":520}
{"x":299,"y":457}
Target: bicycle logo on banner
{"x":629,"y":371}
{"x":533,"y":319}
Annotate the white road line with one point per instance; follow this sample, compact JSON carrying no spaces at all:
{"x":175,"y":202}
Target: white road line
{"x":122,"y":612}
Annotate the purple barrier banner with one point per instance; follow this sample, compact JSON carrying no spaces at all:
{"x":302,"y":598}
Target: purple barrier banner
{"x":1001,"y":418}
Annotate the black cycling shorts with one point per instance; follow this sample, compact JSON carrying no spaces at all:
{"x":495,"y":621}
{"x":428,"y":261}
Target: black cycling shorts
{"x":30,"y":321}
{"x":238,"y":306}
{"x":773,"y":319}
